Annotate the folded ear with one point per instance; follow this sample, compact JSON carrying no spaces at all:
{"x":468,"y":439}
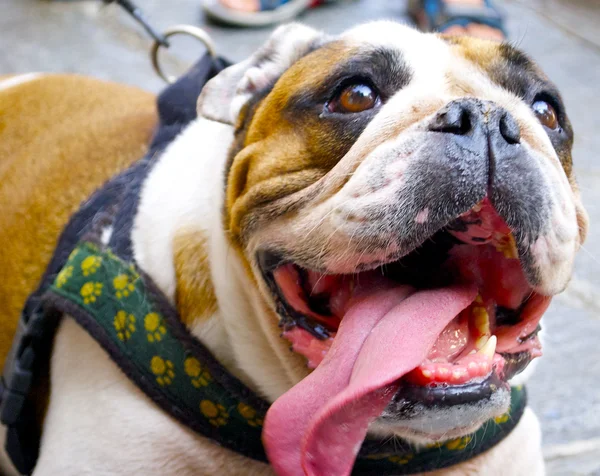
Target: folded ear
{"x":224,"y":96}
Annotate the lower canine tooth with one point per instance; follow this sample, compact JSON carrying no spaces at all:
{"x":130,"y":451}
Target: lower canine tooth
{"x":479,"y":343}
{"x":489,"y":349}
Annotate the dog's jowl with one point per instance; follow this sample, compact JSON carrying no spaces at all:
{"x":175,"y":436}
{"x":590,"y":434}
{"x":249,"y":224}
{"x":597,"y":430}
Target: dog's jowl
{"x":396,"y":208}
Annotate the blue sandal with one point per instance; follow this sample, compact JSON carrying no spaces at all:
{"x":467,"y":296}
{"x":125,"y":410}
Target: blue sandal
{"x":271,"y":11}
{"x":439,"y":16}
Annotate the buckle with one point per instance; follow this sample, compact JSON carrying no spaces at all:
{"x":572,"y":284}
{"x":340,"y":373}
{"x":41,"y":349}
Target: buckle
{"x":16,"y":412}
{"x":18,"y":369}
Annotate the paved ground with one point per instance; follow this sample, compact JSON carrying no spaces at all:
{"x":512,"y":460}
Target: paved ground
{"x":563,"y":36}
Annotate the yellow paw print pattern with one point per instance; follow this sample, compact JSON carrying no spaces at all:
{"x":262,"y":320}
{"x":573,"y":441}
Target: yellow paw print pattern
{"x":199,"y":375}
{"x":123,"y":286}
{"x":90,"y":265}
{"x":124,"y":325}
{"x":111,"y":255}
{"x":90,"y":291}
{"x":403,"y":459}
{"x":249,"y":414}
{"x":458,"y":444}
{"x":155,"y":327}
{"x":73,"y":255}
{"x":216,"y":413}
{"x":63,"y":276}
{"x":502,"y":418}
{"x":163,"y":370}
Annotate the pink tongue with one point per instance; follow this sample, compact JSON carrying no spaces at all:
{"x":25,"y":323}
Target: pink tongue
{"x":318,"y":426}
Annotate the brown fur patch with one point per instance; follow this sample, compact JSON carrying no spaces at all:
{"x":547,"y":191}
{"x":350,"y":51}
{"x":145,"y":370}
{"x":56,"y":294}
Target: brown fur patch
{"x":476,"y":50}
{"x":277,"y":153}
{"x":194,"y":295}
{"x":62,"y":137}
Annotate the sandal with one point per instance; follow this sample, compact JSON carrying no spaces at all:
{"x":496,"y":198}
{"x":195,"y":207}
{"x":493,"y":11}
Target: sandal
{"x":271,"y":11}
{"x":437,"y":15}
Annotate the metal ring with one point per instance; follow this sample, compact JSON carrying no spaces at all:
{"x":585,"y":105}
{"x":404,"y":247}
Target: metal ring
{"x":193,"y":31}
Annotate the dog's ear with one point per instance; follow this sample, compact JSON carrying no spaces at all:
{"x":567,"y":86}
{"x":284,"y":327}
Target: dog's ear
{"x":224,"y":96}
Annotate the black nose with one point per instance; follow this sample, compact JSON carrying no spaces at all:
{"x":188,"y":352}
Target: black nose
{"x":468,"y":116}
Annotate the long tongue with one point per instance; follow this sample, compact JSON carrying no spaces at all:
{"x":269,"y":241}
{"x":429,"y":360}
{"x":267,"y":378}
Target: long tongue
{"x":318,"y":426}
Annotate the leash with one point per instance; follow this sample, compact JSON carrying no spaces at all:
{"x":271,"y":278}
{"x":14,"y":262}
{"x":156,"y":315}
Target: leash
{"x":162,"y":40}
{"x":186,"y":30}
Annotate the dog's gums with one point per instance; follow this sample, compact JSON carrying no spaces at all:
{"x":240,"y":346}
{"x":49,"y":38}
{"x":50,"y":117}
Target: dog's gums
{"x":496,"y":333}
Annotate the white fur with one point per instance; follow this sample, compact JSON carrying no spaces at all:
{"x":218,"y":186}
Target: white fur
{"x":17,"y":80}
{"x":106,"y":235}
{"x":257,"y":354}
{"x":417,"y":50}
{"x":181,"y":192}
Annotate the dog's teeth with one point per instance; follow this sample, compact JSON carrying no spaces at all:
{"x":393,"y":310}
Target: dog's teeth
{"x":506,"y":245}
{"x":481,"y":320}
{"x":479,"y":343}
{"x":489,"y":348}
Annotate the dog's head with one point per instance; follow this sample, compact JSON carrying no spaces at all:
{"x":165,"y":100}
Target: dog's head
{"x":398,"y":197}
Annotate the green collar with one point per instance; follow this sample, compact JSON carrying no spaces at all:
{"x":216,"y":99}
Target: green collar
{"x":126,"y":313}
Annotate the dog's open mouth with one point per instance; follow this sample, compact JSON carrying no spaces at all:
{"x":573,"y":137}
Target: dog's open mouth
{"x":447,"y":324}
{"x":497,"y":333}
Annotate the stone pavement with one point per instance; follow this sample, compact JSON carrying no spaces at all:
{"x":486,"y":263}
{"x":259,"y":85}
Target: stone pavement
{"x":562,"y":35}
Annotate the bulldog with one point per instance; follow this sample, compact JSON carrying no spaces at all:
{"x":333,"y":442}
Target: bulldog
{"x":398,"y":208}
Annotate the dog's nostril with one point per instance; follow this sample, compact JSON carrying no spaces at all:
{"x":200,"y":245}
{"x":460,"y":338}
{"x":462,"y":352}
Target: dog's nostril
{"x":509,"y":129}
{"x":456,"y":119}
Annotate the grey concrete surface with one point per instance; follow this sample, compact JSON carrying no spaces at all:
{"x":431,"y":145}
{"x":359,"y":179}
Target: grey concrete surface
{"x":563,"y":36}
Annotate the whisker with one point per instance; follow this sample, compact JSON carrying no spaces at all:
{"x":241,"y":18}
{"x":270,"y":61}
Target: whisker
{"x":349,"y":244}
{"x":325,"y":217}
{"x":312,"y":291}
{"x":328,"y":240}
{"x":589,"y":253}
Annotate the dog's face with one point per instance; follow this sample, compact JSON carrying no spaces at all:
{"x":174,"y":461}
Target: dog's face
{"x":390,"y":159}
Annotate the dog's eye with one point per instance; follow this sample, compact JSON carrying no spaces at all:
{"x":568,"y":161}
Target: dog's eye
{"x":546,"y":114}
{"x":354,"y":98}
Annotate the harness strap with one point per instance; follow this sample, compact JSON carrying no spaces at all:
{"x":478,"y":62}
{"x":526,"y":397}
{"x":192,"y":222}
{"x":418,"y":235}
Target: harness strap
{"x":33,"y":336}
{"x":123,"y":310}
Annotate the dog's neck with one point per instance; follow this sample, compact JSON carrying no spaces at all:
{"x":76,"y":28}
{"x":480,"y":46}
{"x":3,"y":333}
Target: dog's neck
{"x":179,"y":219}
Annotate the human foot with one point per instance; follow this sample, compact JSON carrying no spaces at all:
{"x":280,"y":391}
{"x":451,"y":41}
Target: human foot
{"x":242,"y":5}
{"x":256,"y":13}
{"x":477,"y":18}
